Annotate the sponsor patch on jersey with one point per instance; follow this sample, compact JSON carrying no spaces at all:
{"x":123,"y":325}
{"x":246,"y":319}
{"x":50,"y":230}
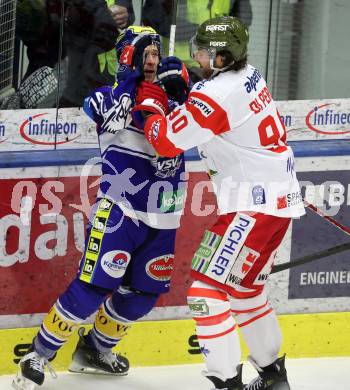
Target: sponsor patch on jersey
{"x":114,"y":263}
{"x":94,"y":245}
{"x":198,"y":307}
{"x":242,"y":266}
{"x":105,"y":205}
{"x":198,"y":86}
{"x":166,"y":167}
{"x":99,"y":224}
{"x":205,"y":108}
{"x":258,"y":194}
{"x":155,"y":129}
{"x":252,"y":81}
{"x":205,"y":251}
{"x":263,"y":275}
{"x":160,"y":268}
{"x":291,"y":165}
{"x":231,"y":244}
{"x":289,"y":200}
{"x":172,"y":201}
{"x":89,"y":266}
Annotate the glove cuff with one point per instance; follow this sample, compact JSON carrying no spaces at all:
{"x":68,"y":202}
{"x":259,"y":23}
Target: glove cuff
{"x":152,"y":105}
{"x":141,"y":112}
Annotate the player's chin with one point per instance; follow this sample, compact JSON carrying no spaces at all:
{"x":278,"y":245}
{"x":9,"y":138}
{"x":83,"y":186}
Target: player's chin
{"x":149,"y":75}
{"x":207,"y":72}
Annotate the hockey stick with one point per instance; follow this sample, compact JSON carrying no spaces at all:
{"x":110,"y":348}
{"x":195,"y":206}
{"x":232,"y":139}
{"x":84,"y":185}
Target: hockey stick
{"x":321,"y":254}
{"x":173,"y":29}
{"x":315,"y":256}
{"x":331,"y":220}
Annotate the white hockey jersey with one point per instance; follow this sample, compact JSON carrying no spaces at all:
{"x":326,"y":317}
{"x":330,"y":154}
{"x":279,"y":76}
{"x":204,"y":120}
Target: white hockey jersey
{"x":233,"y":120}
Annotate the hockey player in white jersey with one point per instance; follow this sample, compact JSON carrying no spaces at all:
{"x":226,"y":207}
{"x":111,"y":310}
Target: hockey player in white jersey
{"x":233,"y":120}
{"x":129,"y":249}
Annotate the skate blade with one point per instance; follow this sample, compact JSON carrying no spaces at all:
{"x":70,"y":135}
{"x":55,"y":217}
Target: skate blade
{"x":22,"y":383}
{"x":78,"y":368}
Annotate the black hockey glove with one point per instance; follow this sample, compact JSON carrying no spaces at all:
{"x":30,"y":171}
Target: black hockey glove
{"x":172,"y":73}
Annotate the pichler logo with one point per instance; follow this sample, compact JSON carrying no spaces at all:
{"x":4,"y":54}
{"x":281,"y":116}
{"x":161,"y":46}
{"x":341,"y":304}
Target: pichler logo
{"x":40,"y":130}
{"x":325,"y":120}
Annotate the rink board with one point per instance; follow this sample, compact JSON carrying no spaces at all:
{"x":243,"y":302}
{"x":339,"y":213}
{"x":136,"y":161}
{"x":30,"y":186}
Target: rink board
{"x":154,"y":343}
{"x":44,"y":243}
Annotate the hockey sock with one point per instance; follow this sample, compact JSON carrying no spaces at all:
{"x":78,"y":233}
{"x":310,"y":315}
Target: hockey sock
{"x":261,"y":333}
{"x":55,"y":330}
{"x":216,"y":330}
{"x":117,"y":314}
{"x":109,"y":327}
{"x":73,"y":307}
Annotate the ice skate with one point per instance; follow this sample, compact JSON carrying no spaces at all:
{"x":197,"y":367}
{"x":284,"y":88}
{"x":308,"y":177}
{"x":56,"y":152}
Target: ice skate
{"x":32,"y":371}
{"x":234,"y":383}
{"x":272,"y":377}
{"x":88,"y":360}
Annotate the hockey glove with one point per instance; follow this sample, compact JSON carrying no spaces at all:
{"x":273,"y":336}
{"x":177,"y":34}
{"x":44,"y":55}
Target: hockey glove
{"x":172,"y":73}
{"x":150,"y":99}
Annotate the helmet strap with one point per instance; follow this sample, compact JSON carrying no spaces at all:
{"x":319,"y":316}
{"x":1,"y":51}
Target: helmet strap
{"x":218,"y":70}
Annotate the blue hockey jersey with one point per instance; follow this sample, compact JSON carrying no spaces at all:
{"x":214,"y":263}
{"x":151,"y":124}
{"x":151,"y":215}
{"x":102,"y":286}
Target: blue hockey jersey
{"x":147,"y":187}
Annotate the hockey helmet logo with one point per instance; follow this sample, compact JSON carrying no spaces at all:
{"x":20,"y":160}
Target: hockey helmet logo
{"x":127,"y":55}
{"x":217,"y":44}
{"x":217,"y":27}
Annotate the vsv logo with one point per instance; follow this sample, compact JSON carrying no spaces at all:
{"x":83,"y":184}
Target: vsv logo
{"x":46,"y":131}
{"x":167,"y":167}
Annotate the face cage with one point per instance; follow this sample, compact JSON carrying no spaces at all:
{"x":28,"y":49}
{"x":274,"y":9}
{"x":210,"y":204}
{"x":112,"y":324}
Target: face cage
{"x":194,"y":48}
{"x":155,"y":40}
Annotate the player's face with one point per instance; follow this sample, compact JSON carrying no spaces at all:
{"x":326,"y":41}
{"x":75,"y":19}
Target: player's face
{"x":150,"y":62}
{"x":200,"y":55}
{"x":203,"y":58}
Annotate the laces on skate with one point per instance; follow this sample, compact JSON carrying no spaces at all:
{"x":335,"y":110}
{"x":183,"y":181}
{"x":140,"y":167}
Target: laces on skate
{"x":255,"y":384}
{"x":38,"y":363}
{"x":111,"y":359}
{"x":32,"y":371}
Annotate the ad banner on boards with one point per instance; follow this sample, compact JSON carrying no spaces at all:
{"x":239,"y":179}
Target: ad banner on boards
{"x":69,"y":128}
{"x":329,"y":277}
{"x":42,"y":222}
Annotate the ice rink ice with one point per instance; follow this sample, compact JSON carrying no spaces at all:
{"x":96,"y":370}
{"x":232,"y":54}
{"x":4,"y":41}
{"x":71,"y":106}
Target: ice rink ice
{"x":304,"y":374}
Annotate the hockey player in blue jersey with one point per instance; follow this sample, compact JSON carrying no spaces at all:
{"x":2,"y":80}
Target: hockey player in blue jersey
{"x":129,"y":249}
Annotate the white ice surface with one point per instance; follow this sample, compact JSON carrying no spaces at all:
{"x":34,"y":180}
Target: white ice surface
{"x":304,"y":374}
